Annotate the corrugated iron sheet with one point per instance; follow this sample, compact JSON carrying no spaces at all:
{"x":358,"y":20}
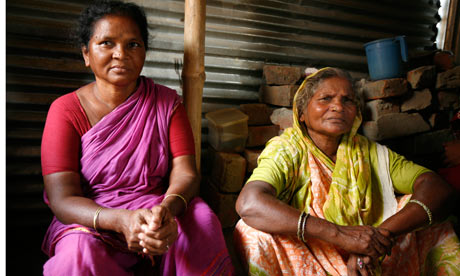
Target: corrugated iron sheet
{"x":241,"y":36}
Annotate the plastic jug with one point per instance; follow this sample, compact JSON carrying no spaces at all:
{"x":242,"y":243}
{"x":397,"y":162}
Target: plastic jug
{"x":384,"y":57}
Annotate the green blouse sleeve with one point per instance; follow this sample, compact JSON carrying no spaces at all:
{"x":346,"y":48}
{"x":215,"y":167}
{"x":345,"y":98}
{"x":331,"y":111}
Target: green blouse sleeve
{"x":404,"y":172}
{"x":276,"y":167}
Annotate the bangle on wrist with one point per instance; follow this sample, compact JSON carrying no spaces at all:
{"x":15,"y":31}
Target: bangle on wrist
{"x":427,"y":210}
{"x":301,"y":225}
{"x":96,"y":216}
{"x":179,"y":196}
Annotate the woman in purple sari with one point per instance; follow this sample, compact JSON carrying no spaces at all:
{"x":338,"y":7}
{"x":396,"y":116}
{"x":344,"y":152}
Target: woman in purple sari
{"x":119,"y":168}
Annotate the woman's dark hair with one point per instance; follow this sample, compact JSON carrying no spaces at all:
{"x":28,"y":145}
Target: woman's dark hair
{"x":100,"y":8}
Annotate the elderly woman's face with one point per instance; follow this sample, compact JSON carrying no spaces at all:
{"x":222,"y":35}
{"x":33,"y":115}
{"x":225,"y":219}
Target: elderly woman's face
{"x":116,"y":51}
{"x":332,"y":109}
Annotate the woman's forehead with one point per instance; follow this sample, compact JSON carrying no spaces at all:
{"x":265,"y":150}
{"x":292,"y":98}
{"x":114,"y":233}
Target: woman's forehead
{"x":335,"y":84}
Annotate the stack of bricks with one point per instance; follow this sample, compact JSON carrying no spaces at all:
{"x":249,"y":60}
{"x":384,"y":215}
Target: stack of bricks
{"x":410,"y":114}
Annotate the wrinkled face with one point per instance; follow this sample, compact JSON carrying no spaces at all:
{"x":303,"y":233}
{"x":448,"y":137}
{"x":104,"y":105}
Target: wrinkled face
{"x":332,"y":109}
{"x":116,"y":51}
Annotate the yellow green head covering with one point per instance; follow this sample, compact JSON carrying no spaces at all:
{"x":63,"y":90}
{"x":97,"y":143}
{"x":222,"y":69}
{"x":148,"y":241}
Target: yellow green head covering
{"x":350,"y":195}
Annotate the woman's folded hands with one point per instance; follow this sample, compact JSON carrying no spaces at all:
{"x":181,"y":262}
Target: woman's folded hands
{"x":150,"y":231}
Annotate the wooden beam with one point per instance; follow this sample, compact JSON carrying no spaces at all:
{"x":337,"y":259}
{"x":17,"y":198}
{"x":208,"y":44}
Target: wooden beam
{"x":193,"y":74}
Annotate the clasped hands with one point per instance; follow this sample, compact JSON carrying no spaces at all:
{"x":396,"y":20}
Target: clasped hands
{"x":365,"y":245}
{"x":150,"y":232}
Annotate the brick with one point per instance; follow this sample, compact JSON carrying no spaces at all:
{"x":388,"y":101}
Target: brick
{"x":221,"y":203}
{"x":228,"y":171}
{"x":422,"y":77}
{"x":251,"y":156}
{"x":281,"y":75}
{"x":419,"y":100}
{"x":259,"y":135}
{"x":394,"y":125}
{"x":449,"y":79}
{"x":258,"y":113}
{"x":282,"y":117}
{"x":376,"y":108}
{"x":432,"y":142}
{"x":281,"y":95}
{"x":448,"y":100}
{"x":382,"y":89}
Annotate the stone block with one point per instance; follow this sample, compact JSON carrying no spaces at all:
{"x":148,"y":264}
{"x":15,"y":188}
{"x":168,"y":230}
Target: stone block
{"x":449,"y":79}
{"x":281,"y":95}
{"x":251,"y":156}
{"x":222,"y":204}
{"x":432,"y":142}
{"x":394,"y":125}
{"x":282,"y":117}
{"x":376,"y":108}
{"x":422,"y":77}
{"x":259,"y":135}
{"x":419,"y":100}
{"x":281,"y":75}
{"x":258,"y":113}
{"x":382,"y":89}
{"x":228,"y":171}
{"x":448,"y":100}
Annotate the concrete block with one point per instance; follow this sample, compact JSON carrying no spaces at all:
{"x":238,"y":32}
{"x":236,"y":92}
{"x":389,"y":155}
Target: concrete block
{"x":448,"y":100}
{"x":259,"y":135}
{"x":221,"y":203}
{"x":258,"y":113}
{"x":382,"y":89}
{"x":422,"y":77}
{"x":228,"y":171}
{"x":282,"y":117}
{"x":281,"y":75}
{"x":394,"y":125}
{"x":419,"y":100}
{"x":278,"y":95}
{"x":449,"y":79}
{"x":376,"y":108}
{"x":251,"y":156}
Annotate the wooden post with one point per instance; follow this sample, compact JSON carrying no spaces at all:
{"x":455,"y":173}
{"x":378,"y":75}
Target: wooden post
{"x":193,"y":74}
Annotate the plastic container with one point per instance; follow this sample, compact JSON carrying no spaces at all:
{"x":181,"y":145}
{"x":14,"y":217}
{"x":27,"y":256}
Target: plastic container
{"x":228,"y":129}
{"x":384,"y":57}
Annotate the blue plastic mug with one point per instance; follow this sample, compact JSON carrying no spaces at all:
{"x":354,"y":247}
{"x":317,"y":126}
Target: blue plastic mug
{"x":384,"y":57}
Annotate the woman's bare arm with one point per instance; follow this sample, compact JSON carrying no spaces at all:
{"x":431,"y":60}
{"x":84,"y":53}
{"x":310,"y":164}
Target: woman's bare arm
{"x":260,"y":209}
{"x":431,"y":190}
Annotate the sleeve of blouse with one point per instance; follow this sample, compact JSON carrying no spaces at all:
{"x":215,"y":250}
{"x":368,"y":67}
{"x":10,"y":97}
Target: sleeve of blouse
{"x":404,"y":172}
{"x":60,"y":149}
{"x":180,"y":134}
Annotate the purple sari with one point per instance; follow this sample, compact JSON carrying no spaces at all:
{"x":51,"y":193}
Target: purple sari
{"x":125,"y":164}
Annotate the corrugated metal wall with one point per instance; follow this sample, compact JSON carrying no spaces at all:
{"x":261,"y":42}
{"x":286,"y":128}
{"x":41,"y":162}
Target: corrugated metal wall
{"x":241,"y":36}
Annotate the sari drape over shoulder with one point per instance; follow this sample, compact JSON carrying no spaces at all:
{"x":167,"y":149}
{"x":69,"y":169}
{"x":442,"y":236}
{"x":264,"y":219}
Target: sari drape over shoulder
{"x":347,"y":192}
{"x":125,"y":164}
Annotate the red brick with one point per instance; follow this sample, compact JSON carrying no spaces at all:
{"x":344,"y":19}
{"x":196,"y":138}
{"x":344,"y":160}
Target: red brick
{"x":382,"y":89}
{"x":258,"y":113}
{"x":222,"y":204}
{"x":422,"y":77}
{"x":419,"y":100}
{"x":376,"y":108}
{"x":251,"y":156}
{"x":228,"y":171}
{"x":394,"y":125}
{"x":278,"y":95}
{"x":449,"y":79}
{"x":281,"y":75}
{"x":259,"y":135}
{"x":282,"y":117}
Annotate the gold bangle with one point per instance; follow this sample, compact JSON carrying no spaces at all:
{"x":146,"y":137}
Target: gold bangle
{"x":427,"y":210}
{"x":179,"y":196}
{"x":299,"y":225}
{"x":96,"y":215}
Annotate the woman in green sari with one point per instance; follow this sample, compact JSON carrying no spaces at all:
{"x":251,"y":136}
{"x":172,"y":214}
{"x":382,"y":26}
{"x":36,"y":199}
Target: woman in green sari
{"x":322,"y":199}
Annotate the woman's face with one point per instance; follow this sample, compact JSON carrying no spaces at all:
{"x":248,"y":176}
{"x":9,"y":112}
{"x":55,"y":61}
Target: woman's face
{"x":332,"y":109}
{"x":116,"y":51}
